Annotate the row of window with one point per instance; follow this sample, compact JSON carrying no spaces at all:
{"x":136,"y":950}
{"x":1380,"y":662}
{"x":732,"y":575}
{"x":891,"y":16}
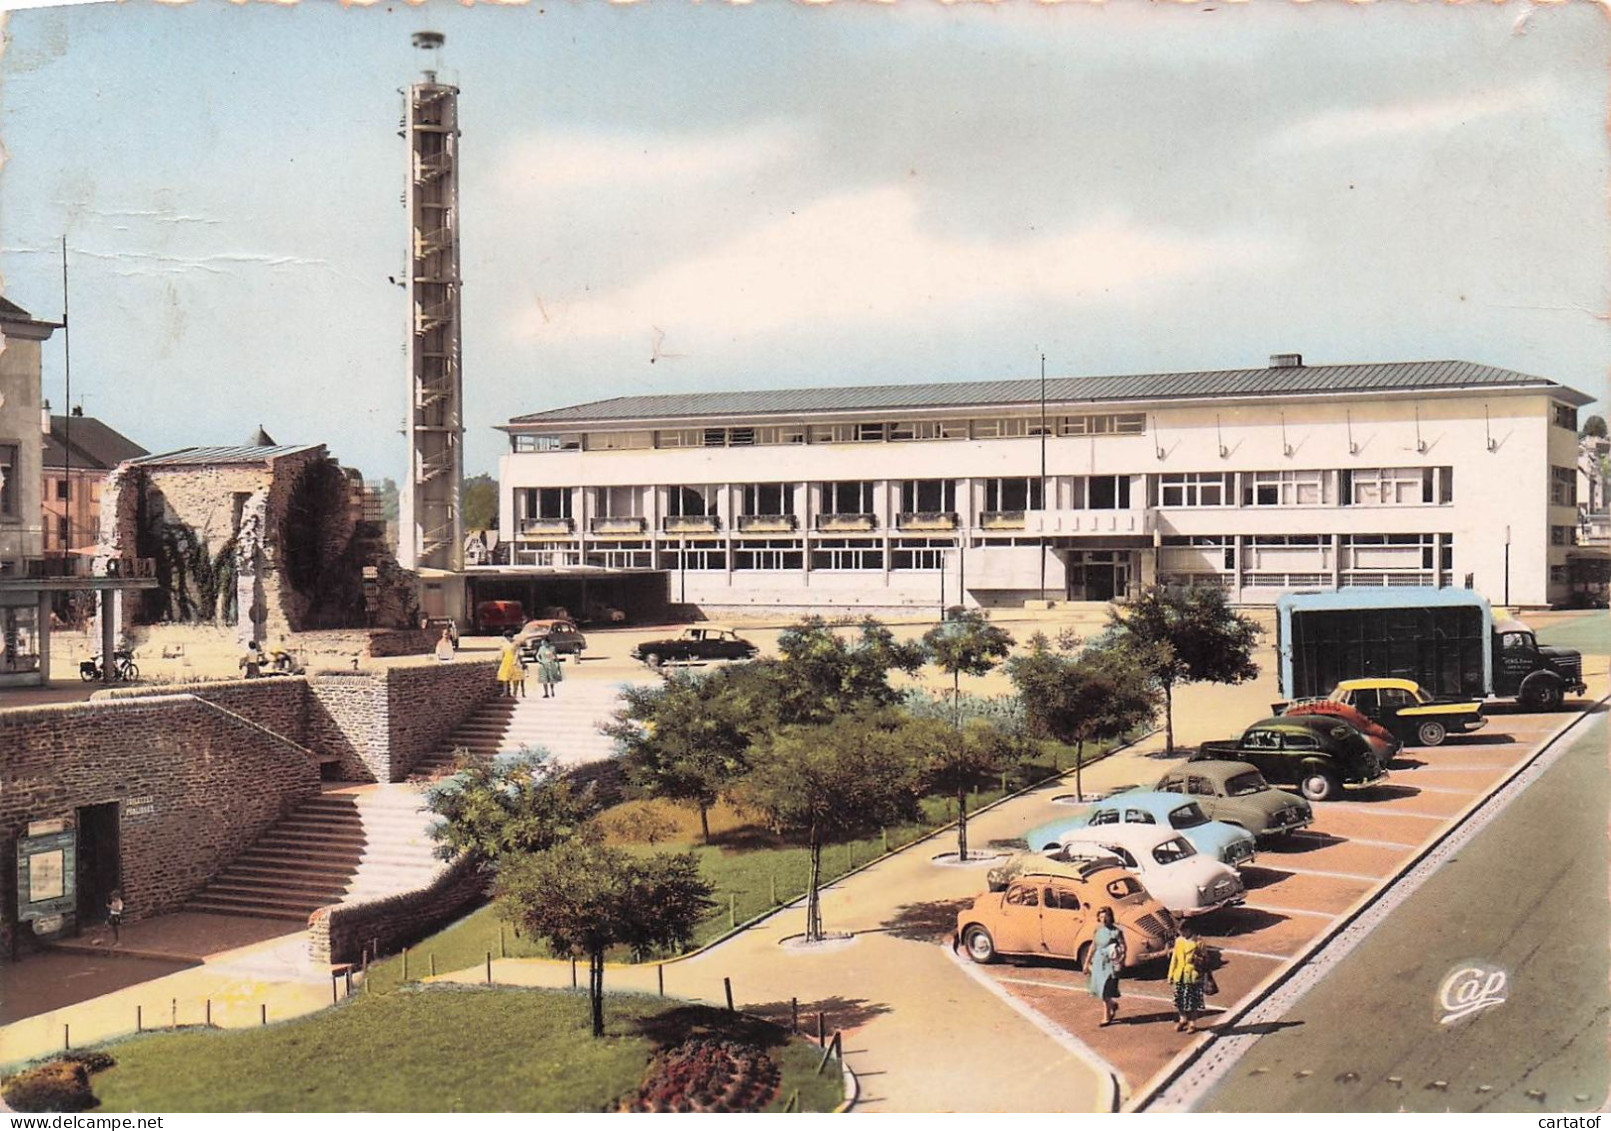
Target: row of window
{"x":858,"y":432}
{"x":1387,"y":486}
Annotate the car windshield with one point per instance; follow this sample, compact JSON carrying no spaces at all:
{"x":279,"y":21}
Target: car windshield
{"x":1188,"y":816}
{"x":1244,"y":785}
{"x":1123,"y":887}
{"x":1173,"y":849}
{"x":1421,"y":696}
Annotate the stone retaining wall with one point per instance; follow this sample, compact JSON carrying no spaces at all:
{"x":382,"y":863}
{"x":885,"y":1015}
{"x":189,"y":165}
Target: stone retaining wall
{"x":195,"y":785}
{"x":342,"y":932}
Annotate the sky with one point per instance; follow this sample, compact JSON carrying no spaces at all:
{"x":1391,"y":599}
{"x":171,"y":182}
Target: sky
{"x":674,"y":197}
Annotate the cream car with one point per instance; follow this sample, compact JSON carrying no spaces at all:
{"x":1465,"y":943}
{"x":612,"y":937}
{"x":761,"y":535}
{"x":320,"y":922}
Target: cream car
{"x":1178,"y":876}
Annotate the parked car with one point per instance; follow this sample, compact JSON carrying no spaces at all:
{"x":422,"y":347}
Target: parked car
{"x":697,"y":642}
{"x":566,"y":638}
{"x":1316,"y":753}
{"x":1236,"y":793}
{"x":1058,"y":861}
{"x":499,"y":616}
{"x":1055,"y":916}
{"x":1383,"y":741}
{"x":1184,"y":880}
{"x":1221,"y":841}
{"x":1402,"y":707}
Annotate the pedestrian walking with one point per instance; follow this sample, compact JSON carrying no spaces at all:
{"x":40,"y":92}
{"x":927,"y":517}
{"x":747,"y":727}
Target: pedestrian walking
{"x":1186,"y":976}
{"x":509,"y":667}
{"x":548,"y":670}
{"x":1104,"y":962}
{"x":114,"y":914}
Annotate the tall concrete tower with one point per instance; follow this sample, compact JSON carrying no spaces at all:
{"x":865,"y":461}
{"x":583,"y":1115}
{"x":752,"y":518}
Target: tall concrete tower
{"x":432,"y":535}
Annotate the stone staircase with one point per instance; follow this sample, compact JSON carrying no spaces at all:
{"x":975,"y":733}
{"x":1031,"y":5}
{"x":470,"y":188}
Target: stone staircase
{"x":351,"y":843}
{"x":567,"y":726}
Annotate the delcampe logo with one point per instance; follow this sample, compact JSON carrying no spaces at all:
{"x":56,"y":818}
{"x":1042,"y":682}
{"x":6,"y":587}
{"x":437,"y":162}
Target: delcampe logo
{"x":1469,"y":988}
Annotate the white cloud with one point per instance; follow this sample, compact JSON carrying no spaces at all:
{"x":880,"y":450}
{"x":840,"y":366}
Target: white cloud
{"x":576,"y":160}
{"x":868,"y":258}
{"x":1348,"y":126}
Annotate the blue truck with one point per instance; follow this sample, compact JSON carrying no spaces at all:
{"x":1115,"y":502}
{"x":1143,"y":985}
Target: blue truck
{"x":1446,"y":640}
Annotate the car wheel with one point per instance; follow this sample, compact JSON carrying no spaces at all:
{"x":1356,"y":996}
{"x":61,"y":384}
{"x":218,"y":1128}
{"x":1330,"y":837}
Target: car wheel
{"x":1541,"y":693}
{"x":1318,"y":784}
{"x":980,"y":946}
{"x":1431,"y":733}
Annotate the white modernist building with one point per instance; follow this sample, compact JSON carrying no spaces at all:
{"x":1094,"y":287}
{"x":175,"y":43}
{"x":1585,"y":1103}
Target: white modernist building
{"x":1261,"y":481}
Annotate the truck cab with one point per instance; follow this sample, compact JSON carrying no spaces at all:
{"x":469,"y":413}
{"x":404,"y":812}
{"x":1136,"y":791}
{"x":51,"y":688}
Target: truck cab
{"x":1537,"y":674}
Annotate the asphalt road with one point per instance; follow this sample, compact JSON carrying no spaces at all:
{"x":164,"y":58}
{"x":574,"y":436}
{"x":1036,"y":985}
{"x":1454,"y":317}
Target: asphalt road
{"x":1526,"y":896}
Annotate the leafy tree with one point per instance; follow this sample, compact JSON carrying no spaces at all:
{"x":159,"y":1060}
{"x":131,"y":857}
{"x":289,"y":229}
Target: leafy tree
{"x":1187,"y":636}
{"x":1594,"y":426}
{"x":585,"y":898}
{"x":493,"y":807}
{"x":478,"y":502}
{"x":846,"y":777}
{"x":687,"y":739}
{"x":821,"y":673}
{"x":389,"y":505}
{"x":1078,"y":696}
{"x":967,"y":643}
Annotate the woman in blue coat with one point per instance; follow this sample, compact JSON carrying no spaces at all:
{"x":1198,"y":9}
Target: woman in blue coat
{"x":1105,"y":961}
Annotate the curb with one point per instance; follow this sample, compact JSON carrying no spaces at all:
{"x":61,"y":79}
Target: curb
{"x":1171,"y":1072}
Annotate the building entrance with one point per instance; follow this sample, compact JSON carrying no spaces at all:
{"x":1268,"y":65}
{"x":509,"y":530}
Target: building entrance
{"x":100,"y":861}
{"x":1098,"y":575}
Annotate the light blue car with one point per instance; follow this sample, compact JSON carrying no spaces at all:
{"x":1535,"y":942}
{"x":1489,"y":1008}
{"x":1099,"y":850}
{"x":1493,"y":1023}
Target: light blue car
{"x":1214,"y":839}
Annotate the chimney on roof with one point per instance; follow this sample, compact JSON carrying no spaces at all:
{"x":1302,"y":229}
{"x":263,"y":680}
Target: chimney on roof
{"x":44,"y":418}
{"x":78,"y":410}
{"x":1286,"y":361}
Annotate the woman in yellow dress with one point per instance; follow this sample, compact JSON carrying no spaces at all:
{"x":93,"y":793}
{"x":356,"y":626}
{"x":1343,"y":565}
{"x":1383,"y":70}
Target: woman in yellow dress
{"x":1187,"y":979}
{"x":510,"y":671}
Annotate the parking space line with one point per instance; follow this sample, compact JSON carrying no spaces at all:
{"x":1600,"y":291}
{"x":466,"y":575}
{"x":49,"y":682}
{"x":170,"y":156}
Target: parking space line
{"x":1497,"y":767}
{"x":1445,"y":789}
{"x":1392,"y":812}
{"x":1125,"y":990}
{"x":1255,"y":953}
{"x":1361,"y":840}
{"x":1319,"y":872}
{"x":1273,"y":910}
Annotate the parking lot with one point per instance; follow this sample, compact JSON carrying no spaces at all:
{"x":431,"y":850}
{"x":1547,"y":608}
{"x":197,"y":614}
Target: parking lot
{"x":1296,"y":890}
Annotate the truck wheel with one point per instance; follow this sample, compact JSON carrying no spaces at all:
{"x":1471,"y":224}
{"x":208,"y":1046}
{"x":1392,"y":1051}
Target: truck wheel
{"x":1431,"y":733}
{"x":1541,"y":692}
{"x":1318,"y":784}
{"x":979,"y":945}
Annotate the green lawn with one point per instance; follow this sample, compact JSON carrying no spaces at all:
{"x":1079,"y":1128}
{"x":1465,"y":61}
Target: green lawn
{"x":437,"y":1049}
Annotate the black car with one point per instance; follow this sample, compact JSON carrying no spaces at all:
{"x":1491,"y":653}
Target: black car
{"x":698,"y":643}
{"x":1317,"y":753}
{"x":566,"y":638}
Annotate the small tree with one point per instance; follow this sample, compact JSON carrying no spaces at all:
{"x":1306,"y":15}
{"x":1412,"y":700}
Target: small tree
{"x":969,"y":644}
{"x":585,"y":898}
{"x":496,"y":806}
{"x":1594,"y":426}
{"x":1187,"y":636}
{"x":847,"y":777}
{"x":686,"y":740}
{"x":821,"y":673}
{"x":478,"y":502}
{"x":1095,"y":695}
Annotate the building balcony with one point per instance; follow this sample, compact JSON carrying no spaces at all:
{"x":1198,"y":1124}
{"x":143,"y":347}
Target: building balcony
{"x":841,"y":523}
{"x":546,"y":527}
{"x":767,"y":523}
{"x":39,"y":569}
{"x":1132,"y":521}
{"x":690,"y":524}
{"x":927,"y":520}
{"x":618,"y":524}
{"x":1003,"y":520}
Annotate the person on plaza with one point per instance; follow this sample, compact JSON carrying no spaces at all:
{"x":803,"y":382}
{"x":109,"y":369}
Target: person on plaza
{"x":510,"y":671}
{"x":253,"y":661}
{"x":444,"y":647}
{"x":114,"y":914}
{"x":548,"y":669}
{"x":1186,"y":976}
{"x":1105,"y":961}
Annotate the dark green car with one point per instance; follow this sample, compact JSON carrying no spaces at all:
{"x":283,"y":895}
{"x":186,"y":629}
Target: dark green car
{"x":1236,"y":793}
{"x":1317,"y":753}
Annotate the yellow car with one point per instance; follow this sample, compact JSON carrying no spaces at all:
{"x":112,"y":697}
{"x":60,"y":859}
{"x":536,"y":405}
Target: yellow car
{"x":1415,"y":717}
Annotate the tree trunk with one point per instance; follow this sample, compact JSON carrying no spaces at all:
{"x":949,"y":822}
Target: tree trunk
{"x":1169,"y":718}
{"x":1079,"y":766}
{"x":813,"y":898}
{"x":704,"y":821}
{"x":962,"y":822}
{"x":595,"y":989}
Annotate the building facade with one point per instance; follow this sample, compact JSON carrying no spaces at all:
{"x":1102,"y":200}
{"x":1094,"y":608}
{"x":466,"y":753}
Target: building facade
{"x":1260,"y":481}
{"x":79,"y":452}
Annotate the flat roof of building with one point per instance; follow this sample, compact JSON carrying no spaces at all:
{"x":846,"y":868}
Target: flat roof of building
{"x":1274,"y":380}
